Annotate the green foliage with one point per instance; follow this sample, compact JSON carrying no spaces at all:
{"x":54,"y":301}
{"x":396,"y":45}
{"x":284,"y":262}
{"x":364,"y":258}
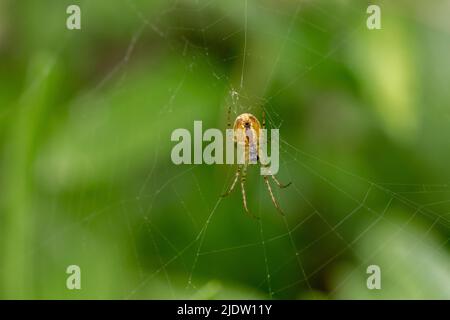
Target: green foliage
{"x":85,"y":171}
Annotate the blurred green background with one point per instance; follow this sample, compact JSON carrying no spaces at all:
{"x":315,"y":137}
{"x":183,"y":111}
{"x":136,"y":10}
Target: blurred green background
{"x":85,"y":170}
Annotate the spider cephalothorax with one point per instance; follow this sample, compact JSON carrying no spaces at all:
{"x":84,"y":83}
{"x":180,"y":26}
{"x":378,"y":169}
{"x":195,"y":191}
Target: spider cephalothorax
{"x":247,"y":131}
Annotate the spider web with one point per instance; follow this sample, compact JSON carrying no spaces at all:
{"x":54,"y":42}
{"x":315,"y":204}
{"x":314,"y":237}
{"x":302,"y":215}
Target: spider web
{"x":187,"y":263}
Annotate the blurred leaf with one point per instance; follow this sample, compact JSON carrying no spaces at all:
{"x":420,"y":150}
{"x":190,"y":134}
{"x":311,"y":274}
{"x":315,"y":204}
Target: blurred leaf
{"x":118,"y":130}
{"x":413,"y":265}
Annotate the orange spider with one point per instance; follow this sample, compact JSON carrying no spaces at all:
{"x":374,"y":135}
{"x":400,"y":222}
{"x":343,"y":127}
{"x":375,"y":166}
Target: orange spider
{"x":246,"y":132}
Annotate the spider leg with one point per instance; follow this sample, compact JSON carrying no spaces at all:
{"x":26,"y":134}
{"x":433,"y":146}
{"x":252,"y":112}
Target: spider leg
{"x":266,"y":180}
{"x":279,"y":184}
{"x":229,"y":117}
{"x":263,"y":118}
{"x":236,"y":177}
{"x":244,"y":197}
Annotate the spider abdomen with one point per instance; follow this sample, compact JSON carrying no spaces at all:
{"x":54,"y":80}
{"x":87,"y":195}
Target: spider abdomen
{"x":246,"y":134}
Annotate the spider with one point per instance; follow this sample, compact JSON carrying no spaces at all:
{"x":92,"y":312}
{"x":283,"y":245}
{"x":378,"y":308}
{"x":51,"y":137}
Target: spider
{"x":246,"y":131}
